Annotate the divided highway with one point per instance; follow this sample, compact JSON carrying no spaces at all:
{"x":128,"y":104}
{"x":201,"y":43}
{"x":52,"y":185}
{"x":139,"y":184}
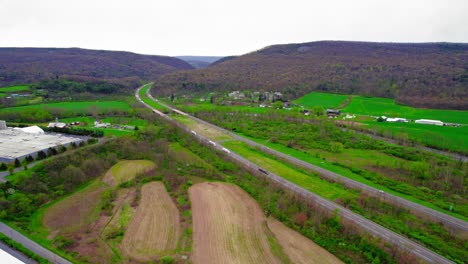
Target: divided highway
{"x":447,"y":220}
{"x":363,"y":223}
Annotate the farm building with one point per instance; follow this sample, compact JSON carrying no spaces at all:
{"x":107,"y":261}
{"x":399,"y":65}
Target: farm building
{"x":333,"y":112}
{"x":429,"y":122}
{"x":17,"y":143}
{"x":396,"y":119}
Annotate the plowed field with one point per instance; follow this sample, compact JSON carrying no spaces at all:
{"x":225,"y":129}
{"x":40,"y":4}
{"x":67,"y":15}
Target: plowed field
{"x":299,"y":249}
{"x":154,"y":230}
{"x":228,"y":226}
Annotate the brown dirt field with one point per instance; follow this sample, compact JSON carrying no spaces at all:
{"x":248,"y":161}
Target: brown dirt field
{"x":299,"y":249}
{"x":228,"y":226}
{"x":126,"y":170}
{"x":75,"y":211}
{"x":154,"y":230}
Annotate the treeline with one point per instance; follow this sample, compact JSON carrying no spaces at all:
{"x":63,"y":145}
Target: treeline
{"x":46,"y":114}
{"x":83,"y":87}
{"x":30,"y":65}
{"x":422,"y":75}
{"x":79,"y":131}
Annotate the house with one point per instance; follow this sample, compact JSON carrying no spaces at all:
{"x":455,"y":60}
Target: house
{"x":429,"y":122}
{"x":57,"y":124}
{"x":333,"y":112}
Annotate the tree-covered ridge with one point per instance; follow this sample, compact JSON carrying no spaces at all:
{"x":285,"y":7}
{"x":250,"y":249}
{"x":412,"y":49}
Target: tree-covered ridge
{"x":433,"y":75}
{"x":29,"y":65}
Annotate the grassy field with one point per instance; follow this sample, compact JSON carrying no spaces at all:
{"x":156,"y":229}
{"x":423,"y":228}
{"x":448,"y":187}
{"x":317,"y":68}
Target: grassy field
{"x":299,"y":249}
{"x":154,"y":229}
{"x":365,"y":156}
{"x":127,"y":170}
{"x":309,"y":182}
{"x":376,"y":106}
{"x":204,"y":130}
{"x":75,"y":211}
{"x":75,"y":107}
{"x":14,"y":89}
{"x":326,"y":100}
{"x":441,"y":137}
{"x":228,"y":226}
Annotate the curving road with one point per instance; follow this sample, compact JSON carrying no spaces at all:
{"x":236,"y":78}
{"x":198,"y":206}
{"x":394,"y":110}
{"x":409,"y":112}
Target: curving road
{"x":370,"y":227}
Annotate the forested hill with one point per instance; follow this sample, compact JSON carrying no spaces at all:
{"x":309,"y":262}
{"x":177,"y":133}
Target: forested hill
{"x":28,"y":65}
{"x":423,"y":75}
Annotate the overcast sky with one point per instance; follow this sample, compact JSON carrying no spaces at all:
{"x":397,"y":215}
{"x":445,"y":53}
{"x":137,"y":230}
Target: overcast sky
{"x":216,"y":27}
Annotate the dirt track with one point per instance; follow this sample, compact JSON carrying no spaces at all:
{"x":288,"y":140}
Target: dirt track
{"x":154,"y":230}
{"x":228,"y":226}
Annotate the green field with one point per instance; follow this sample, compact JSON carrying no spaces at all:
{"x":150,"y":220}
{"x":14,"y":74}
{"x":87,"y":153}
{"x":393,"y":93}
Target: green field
{"x":313,"y":183}
{"x":441,"y":137}
{"x":76,"y":107}
{"x":14,"y":89}
{"x":376,"y":106}
{"x":326,"y":100}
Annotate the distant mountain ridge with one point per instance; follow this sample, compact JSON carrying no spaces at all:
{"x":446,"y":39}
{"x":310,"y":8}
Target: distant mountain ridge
{"x":431,"y":75}
{"x":28,"y":65}
{"x":199,"y":61}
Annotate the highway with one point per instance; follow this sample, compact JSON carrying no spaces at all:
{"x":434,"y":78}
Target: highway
{"x":438,"y":217}
{"x":362,"y":223}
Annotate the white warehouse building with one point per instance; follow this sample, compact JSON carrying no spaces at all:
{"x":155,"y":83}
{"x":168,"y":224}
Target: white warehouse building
{"x":429,"y":122}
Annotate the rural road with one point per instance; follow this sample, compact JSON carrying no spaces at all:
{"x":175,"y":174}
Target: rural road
{"x":365,"y":224}
{"x":3,"y":174}
{"x":18,"y":255}
{"x":31,"y":245}
{"x":449,"y":221}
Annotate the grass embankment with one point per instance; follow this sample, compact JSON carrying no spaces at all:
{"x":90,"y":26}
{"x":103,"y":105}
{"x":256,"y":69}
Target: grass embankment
{"x":127,"y":170}
{"x":148,"y":100}
{"x":202,"y":129}
{"x":309,"y":182}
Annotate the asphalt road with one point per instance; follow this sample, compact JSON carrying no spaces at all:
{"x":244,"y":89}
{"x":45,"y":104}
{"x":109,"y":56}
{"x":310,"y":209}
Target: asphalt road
{"x":364,"y":224}
{"x":18,"y":255}
{"x":31,"y":245}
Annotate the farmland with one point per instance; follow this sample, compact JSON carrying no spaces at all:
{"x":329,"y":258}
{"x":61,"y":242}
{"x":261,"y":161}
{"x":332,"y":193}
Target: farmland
{"x":75,"y":211}
{"x":154,"y":229}
{"x":74,"y":107}
{"x":228,"y":226}
{"x":326,"y":100}
{"x":299,"y":249}
{"x":14,"y":89}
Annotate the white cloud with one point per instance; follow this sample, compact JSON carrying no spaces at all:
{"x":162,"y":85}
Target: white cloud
{"x":209,"y":27}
